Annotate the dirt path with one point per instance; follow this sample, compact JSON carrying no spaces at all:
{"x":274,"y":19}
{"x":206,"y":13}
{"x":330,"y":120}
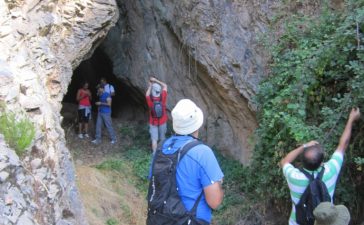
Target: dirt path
{"x":109,"y":197}
{"x":87,"y":153}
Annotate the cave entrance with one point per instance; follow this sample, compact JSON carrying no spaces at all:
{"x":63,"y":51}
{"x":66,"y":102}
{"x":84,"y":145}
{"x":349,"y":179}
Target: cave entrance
{"x":101,"y":189}
{"x":128,"y":104}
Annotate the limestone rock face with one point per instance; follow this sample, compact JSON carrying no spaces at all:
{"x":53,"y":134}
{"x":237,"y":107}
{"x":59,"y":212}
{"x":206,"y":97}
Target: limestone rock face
{"x":205,"y":50}
{"x":41,"y":43}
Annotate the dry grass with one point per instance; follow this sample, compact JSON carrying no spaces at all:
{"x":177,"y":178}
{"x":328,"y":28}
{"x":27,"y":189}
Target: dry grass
{"x":108,"y":195}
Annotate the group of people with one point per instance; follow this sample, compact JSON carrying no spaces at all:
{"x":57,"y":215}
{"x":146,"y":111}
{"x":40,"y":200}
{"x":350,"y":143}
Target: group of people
{"x":198,"y":174}
{"x":105,"y":92}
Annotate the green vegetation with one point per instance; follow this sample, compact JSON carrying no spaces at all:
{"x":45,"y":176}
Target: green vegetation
{"x":236,"y":204}
{"x":112,"y":164}
{"x":135,"y":161}
{"x":18,"y":133}
{"x":317,"y":75}
{"x":112,"y":221}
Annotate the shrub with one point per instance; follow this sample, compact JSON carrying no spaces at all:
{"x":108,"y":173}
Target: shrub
{"x":112,"y":221}
{"x":317,"y":75}
{"x":18,"y":133}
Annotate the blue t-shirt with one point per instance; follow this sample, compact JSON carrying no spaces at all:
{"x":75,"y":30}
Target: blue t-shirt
{"x":104,"y":108}
{"x":197,"y":169}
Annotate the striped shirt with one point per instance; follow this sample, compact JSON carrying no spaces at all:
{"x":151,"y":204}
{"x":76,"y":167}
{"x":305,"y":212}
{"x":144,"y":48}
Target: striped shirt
{"x":297,"y":181}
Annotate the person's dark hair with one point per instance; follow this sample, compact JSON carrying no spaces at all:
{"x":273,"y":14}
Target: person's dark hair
{"x":100,"y":86}
{"x":83,"y":83}
{"x":103,"y":79}
{"x":312,"y":157}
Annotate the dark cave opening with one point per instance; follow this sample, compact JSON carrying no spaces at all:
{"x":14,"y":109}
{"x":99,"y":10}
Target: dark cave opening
{"x":127,"y":104}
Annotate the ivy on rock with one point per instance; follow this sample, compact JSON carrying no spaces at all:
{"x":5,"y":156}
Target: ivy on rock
{"x":317,"y":75}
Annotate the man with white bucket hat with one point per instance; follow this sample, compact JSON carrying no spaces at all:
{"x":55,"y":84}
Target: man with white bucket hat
{"x":198,"y":174}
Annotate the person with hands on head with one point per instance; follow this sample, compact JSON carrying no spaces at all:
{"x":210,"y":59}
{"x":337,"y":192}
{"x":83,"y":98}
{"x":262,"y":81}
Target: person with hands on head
{"x":312,"y":158}
{"x":104,"y":116}
{"x":156,"y":97}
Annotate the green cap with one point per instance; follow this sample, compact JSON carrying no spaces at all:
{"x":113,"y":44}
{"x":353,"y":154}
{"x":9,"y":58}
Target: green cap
{"x":328,"y":214}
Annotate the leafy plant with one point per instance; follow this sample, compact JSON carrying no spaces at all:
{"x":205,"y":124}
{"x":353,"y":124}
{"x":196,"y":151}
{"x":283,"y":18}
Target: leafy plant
{"x":317,"y":75}
{"x":135,"y":159}
{"x":18,"y":132}
{"x":112,"y":221}
{"x":235,"y":185}
{"x":111,"y":164}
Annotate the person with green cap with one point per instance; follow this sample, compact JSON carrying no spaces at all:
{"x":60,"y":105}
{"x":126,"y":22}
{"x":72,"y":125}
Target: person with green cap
{"x":327,"y":213}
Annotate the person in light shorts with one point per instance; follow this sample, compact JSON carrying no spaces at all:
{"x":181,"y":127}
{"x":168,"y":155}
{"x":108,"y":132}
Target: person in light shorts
{"x":157,"y":92}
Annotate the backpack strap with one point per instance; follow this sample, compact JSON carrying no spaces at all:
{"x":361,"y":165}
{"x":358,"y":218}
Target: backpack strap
{"x":181,"y":153}
{"x":320,"y":175}
{"x":309,"y":176}
{"x":186,"y":147}
{"x":193,"y":211}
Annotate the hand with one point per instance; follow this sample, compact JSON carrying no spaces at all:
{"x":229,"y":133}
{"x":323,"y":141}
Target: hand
{"x":354,"y":114}
{"x":310,"y":144}
{"x":97,"y":103}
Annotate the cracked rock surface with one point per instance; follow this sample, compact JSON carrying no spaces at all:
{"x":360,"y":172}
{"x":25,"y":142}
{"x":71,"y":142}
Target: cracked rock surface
{"x":41,"y":43}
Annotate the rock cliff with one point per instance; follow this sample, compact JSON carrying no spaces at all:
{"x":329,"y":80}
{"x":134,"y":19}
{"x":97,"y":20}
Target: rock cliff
{"x":41,"y":43}
{"x":206,"y":50}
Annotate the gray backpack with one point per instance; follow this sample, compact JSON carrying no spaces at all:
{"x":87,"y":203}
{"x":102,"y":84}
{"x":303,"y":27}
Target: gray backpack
{"x":165,"y":206}
{"x":157,"y":109}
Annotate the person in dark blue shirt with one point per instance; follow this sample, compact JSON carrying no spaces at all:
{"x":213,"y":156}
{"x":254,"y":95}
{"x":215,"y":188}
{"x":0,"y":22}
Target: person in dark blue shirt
{"x":104,"y":116}
{"x":198,"y":170}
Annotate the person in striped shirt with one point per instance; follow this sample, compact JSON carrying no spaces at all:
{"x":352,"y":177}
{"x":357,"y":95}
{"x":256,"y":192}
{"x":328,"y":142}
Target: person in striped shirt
{"x":312,"y":157}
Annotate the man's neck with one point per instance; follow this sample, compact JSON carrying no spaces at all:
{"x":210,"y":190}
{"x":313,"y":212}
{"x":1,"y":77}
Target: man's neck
{"x":195,"y":134}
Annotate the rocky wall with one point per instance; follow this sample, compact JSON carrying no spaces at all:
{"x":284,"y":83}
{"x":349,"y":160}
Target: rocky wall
{"x":41,"y":43}
{"x":206,"y":50}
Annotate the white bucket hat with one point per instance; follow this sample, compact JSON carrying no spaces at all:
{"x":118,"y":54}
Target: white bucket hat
{"x":187,"y":117}
{"x":156,"y":90}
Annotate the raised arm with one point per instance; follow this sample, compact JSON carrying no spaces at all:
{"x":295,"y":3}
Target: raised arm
{"x":292,"y":155}
{"x":345,"y":137}
{"x":149,"y":89}
{"x":164,"y":85}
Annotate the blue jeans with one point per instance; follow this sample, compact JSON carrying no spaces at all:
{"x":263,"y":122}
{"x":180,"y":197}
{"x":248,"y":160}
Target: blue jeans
{"x":106,"y":119}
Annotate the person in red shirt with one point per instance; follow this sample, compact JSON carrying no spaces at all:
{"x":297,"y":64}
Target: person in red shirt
{"x":156,"y":97}
{"x":83,"y":98}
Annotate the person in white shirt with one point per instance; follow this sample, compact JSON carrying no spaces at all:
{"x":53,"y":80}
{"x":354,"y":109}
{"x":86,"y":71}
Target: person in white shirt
{"x":107,"y":87}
